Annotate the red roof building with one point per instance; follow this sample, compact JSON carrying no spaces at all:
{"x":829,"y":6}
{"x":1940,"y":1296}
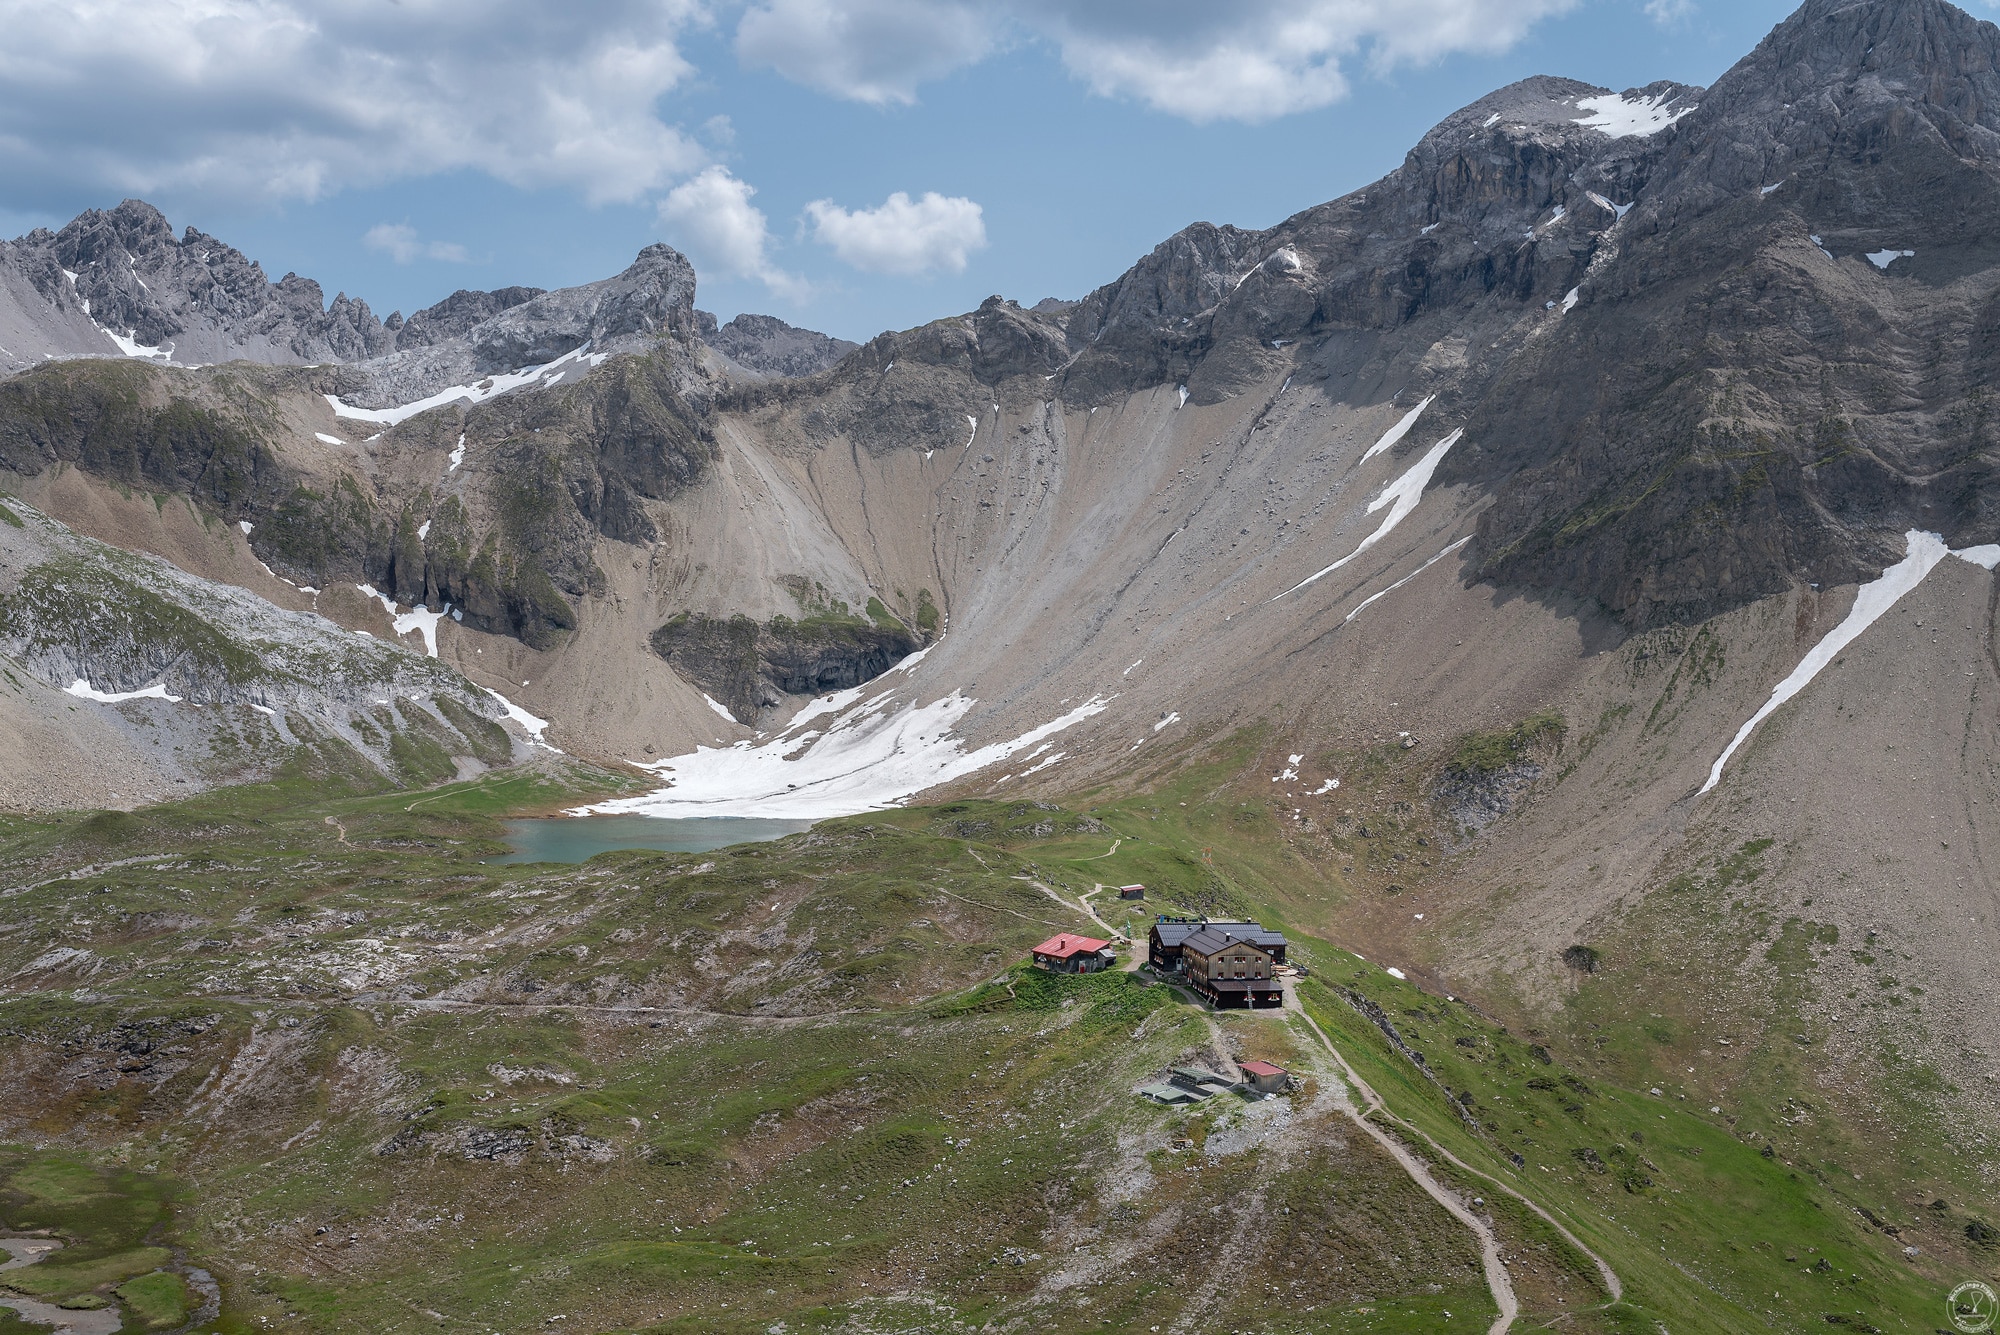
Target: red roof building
{"x":1069,"y":953}
{"x":1263,"y":1077}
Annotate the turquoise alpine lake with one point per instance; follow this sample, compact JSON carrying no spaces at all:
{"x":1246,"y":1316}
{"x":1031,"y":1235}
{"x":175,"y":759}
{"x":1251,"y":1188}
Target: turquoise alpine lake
{"x":575,"y":838}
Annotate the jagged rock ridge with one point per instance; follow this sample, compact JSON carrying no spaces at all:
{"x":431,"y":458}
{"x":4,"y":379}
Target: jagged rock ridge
{"x":119,"y":281}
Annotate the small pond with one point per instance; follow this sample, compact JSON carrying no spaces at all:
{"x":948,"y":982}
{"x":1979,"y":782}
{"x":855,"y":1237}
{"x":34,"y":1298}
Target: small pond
{"x":574,"y":838}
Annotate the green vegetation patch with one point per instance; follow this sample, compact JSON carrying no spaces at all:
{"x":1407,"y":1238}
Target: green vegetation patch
{"x":158,"y":1300}
{"x":1477,"y":754}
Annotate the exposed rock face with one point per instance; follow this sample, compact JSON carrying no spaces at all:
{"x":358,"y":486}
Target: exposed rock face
{"x":114,"y":420}
{"x":510,"y":550}
{"x":767,"y":346}
{"x":455,"y":316}
{"x":749,"y":668}
{"x":1743,"y":398}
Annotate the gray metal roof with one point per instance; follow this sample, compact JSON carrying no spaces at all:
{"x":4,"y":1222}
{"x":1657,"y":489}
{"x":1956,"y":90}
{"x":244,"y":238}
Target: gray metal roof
{"x":1177,"y":933}
{"x":1215,"y":936}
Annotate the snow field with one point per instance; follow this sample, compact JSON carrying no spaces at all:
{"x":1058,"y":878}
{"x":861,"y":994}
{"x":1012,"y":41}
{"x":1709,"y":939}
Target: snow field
{"x":1398,"y":431}
{"x":874,"y":753}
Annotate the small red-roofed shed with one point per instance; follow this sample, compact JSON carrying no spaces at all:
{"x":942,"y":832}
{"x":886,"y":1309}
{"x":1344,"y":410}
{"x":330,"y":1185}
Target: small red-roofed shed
{"x":1069,"y":953}
{"x":1264,"y":1077}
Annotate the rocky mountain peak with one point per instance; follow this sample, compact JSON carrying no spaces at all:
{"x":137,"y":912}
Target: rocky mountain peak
{"x":134,"y":230}
{"x":1877,"y":106}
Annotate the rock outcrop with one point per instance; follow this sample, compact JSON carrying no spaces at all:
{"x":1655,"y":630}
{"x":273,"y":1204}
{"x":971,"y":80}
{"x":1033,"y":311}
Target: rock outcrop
{"x":766,"y":346}
{"x":750,"y":668}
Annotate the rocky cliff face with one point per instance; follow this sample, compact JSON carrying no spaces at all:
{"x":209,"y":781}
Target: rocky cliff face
{"x":118,"y":282}
{"x":751,"y":668}
{"x":1784,"y":358}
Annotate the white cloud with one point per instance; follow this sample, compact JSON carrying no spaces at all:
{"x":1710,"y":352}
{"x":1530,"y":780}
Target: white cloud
{"x":1670,"y":13}
{"x":400,"y":242}
{"x":276,"y":99}
{"x":902,"y":236}
{"x":1199,"y":59}
{"x":873,"y":51}
{"x":711,"y":218}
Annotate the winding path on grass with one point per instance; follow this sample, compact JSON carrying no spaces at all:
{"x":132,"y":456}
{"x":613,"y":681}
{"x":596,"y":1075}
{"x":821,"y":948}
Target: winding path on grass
{"x":1498,"y":1281}
{"x":1489,"y":1244}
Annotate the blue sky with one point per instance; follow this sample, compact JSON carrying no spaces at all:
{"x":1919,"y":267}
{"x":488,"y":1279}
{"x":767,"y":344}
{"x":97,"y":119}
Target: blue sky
{"x":1042,"y":148}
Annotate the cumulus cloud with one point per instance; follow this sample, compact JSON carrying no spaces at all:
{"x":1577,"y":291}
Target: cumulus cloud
{"x":1203,"y":60}
{"x":902,"y":235}
{"x":874,"y":51}
{"x":277,"y":99}
{"x":711,"y":217}
{"x":400,"y":242}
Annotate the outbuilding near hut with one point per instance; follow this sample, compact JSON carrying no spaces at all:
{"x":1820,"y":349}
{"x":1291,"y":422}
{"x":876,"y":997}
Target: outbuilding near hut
{"x":1264,"y":1077}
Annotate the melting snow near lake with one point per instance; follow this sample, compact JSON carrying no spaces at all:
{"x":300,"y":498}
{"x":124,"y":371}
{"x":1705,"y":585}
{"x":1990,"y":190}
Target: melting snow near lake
{"x":875,"y":752}
{"x":531,"y":725}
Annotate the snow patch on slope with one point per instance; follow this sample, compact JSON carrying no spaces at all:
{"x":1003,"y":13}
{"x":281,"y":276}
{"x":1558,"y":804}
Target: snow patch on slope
{"x":531,"y":725}
{"x":1925,"y":552}
{"x":130,"y":345}
{"x":1622,"y":117}
{"x":490,"y":387}
{"x":1404,"y":580}
{"x":1398,"y":431}
{"x":425,"y":622}
{"x":1401,"y":496}
{"x":1618,"y":210}
{"x":84,"y":691}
